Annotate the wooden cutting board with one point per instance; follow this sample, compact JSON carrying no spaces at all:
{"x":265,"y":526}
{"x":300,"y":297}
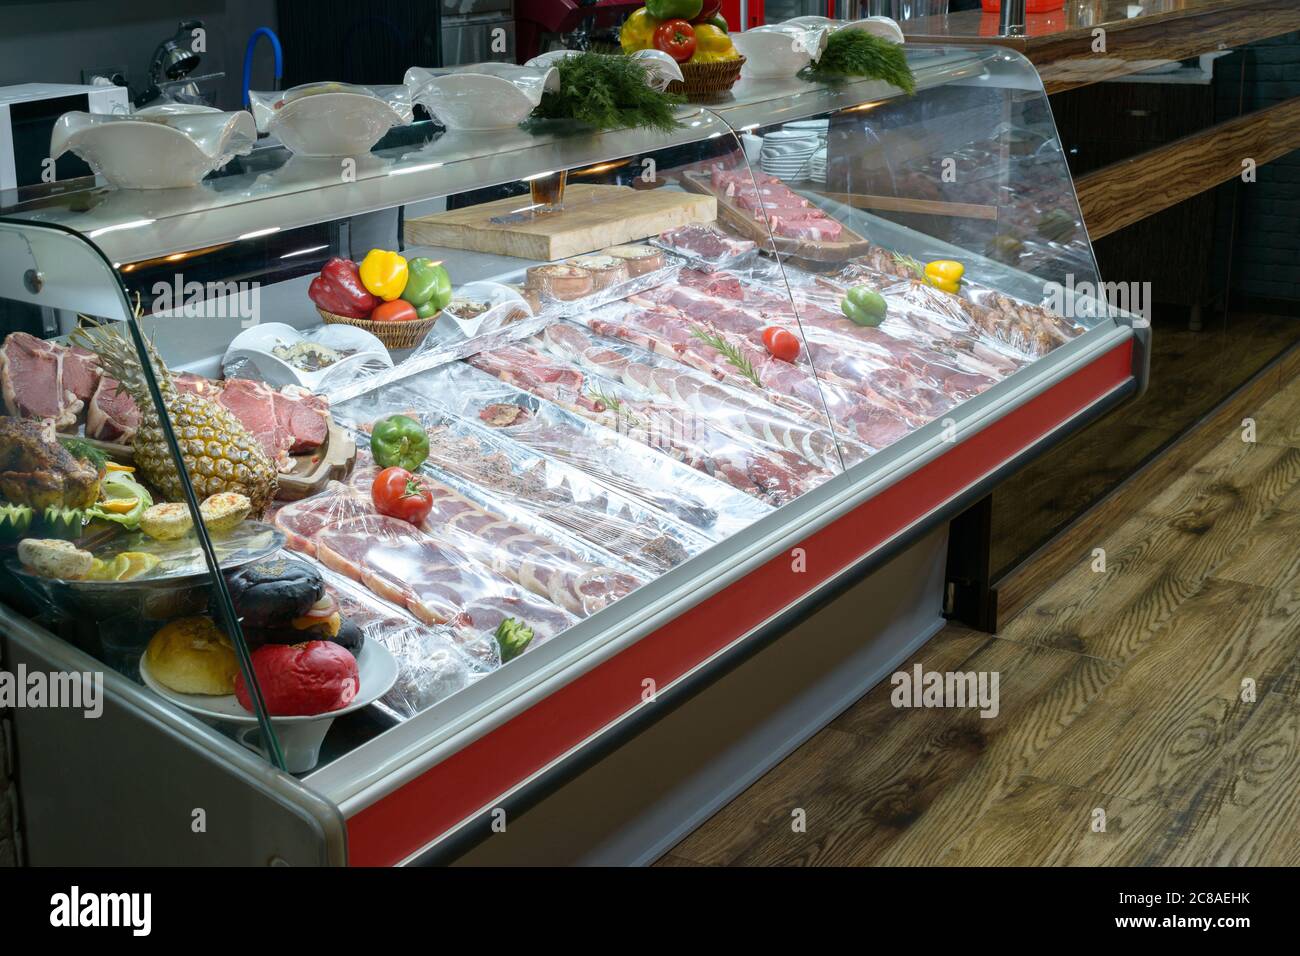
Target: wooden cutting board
{"x":593,"y":217}
{"x":849,"y":245}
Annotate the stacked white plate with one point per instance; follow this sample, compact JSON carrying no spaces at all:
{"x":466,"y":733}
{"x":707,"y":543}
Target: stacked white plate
{"x":789,"y":153}
{"x":817,"y":166}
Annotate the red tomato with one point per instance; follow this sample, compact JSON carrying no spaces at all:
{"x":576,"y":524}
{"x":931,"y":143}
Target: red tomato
{"x":399,"y":310}
{"x":676,"y":38}
{"x":400,"y":494}
{"x":782,"y":344}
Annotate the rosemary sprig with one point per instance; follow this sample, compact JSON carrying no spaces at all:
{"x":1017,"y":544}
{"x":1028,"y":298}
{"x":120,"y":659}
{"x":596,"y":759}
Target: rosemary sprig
{"x":914,"y":265}
{"x":732,"y":354}
{"x":614,"y":404}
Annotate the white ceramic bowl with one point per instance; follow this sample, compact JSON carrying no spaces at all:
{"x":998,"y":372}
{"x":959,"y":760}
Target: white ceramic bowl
{"x":171,"y":146}
{"x":255,"y":345}
{"x":331,"y":119}
{"x":300,"y":737}
{"x":778,"y":49}
{"x":504,"y":300}
{"x":481,"y":96}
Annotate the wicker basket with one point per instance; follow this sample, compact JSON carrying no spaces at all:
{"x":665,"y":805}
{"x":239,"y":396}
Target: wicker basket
{"x":706,"y":82}
{"x":395,"y":335}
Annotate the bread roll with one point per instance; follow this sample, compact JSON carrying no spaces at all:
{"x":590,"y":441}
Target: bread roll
{"x":192,"y":656}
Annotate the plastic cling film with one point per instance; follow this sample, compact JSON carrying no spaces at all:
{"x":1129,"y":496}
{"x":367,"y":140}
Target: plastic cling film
{"x":744,"y":413}
{"x":771,"y":474}
{"x":401,"y":563}
{"x":610,"y":459}
{"x":432,"y":662}
{"x":545,"y":567}
{"x":548,"y":496}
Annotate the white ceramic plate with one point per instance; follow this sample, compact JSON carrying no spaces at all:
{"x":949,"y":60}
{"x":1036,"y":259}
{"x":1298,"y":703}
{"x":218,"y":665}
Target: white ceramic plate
{"x":300,"y":737}
{"x":255,"y":345}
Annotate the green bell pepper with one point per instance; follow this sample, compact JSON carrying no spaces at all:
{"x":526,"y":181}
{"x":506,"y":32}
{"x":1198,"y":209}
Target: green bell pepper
{"x":427,"y":283}
{"x":864,"y":306}
{"x":674,"y":9}
{"x":399,"y":440}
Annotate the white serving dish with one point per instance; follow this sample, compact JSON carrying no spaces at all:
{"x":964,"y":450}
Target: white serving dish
{"x":255,"y":345}
{"x":331,"y":119}
{"x":300,"y":737}
{"x":171,"y":146}
{"x":505,"y":302}
{"x":779,"y":49}
{"x":481,"y":96}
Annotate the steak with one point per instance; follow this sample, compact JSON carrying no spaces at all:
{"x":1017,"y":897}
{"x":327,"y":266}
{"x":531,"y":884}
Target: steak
{"x":41,"y":379}
{"x":111,"y":415}
{"x":289,"y":422}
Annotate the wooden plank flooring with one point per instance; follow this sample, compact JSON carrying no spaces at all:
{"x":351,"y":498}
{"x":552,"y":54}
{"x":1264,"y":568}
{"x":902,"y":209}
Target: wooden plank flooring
{"x":1160,"y":696}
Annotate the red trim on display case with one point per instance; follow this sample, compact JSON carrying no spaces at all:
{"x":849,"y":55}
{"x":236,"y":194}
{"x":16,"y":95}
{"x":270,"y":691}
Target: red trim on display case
{"x":417,"y":813}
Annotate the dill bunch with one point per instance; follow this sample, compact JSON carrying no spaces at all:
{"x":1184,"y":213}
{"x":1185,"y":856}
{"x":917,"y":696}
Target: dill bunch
{"x":607,"y":92}
{"x":857,"y":53}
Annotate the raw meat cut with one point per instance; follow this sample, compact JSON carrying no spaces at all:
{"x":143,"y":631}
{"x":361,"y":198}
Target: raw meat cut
{"x":772,"y":474}
{"x":42,"y":379}
{"x":547,"y":568}
{"x":112,"y":415}
{"x":705,"y":243}
{"x":436,"y":582}
{"x":291,"y":421}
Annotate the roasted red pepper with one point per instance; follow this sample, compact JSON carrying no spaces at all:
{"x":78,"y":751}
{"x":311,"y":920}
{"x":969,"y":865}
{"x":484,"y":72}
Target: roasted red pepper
{"x":338,"y":289}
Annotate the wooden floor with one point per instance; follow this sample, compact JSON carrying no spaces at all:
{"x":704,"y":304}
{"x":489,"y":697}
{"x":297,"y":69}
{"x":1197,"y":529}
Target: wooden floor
{"x":1121,"y":694}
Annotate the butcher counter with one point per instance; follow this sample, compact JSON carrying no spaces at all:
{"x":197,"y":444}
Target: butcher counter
{"x":684,"y":511}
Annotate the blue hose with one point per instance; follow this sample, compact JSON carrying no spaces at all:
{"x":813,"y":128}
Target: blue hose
{"x":248,"y":58}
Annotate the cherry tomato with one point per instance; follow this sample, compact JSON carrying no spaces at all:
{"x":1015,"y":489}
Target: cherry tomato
{"x":400,"y":494}
{"x":399,"y":310}
{"x":676,"y":38}
{"x":782,"y":344}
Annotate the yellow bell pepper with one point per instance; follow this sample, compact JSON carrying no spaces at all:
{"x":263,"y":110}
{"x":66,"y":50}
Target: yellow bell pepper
{"x":945,"y":274}
{"x":638,"y":32}
{"x":384,"y":274}
{"x":712,"y":44}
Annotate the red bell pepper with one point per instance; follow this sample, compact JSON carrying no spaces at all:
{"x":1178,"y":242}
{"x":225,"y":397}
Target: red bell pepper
{"x":338,"y":289}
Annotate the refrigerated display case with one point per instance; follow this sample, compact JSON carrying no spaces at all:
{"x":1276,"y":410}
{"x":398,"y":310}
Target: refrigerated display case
{"x":688,"y":385}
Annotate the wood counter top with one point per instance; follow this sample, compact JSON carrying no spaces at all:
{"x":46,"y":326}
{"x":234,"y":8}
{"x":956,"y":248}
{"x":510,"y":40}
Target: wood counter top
{"x":1137,"y":35}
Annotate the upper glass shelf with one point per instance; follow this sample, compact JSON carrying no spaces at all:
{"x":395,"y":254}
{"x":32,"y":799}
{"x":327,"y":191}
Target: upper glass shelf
{"x":272,"y":190}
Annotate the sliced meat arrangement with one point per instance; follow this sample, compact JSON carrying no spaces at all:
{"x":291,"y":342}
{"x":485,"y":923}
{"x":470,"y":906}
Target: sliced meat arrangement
{"x":1032,"y":330}
{"x":772,"y":474}
{"x":43,"y":379}
{"x":290,"y":421}
{"x":399,"y":562}
{"x":767,"y":199}
{"x":112,"y":415}
{"x":756,"y":419}
{"x":637,"y":538}
{"x":545,"y":567}
{"x":733,"y":359}
{"x":915,"y":380}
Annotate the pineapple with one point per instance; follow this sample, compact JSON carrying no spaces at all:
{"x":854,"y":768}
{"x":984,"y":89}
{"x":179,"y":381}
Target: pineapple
{"x":219,"y":453}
